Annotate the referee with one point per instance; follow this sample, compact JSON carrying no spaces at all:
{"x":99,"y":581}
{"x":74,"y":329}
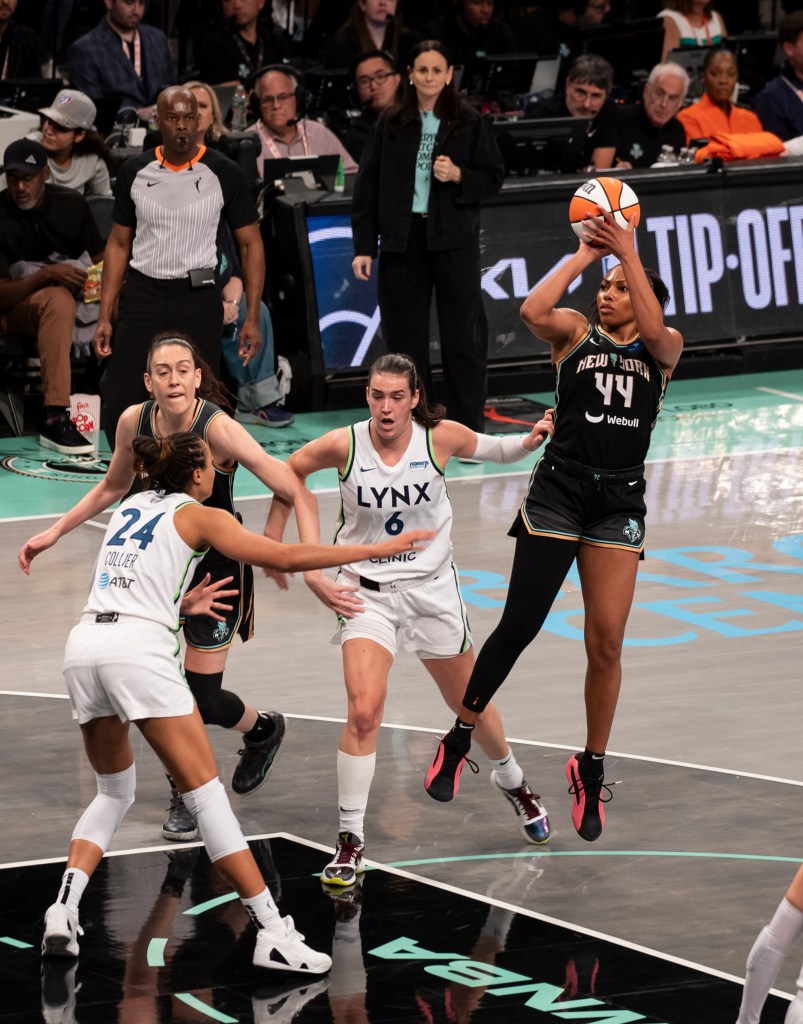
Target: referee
{"x":159,"y":267}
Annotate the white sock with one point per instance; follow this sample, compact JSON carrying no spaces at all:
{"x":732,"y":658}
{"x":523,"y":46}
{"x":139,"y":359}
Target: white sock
{"x":508,"y":771}
{"x":261,"y":909}
{"x":73,"y":883}
{"x":766,"y":957}
{"x":354,"y":777}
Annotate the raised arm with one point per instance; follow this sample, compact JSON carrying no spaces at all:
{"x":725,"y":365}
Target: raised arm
{"x":103,"y":495}
{"x":664,"y":344}
{"x":560,"y":328}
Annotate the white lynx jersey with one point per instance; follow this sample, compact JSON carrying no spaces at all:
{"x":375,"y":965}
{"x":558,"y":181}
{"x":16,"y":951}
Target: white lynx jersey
{"x":143,"y":567}
{"x":379,"y":501}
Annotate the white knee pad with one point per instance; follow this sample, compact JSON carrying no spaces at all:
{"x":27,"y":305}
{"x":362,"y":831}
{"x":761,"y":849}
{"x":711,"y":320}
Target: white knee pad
{"x":102,"y":818}
{"x":220,"y":830}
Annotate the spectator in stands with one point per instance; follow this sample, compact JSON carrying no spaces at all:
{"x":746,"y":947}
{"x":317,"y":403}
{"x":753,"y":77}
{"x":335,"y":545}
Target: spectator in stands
{"x":160,"y":262}
{"x":557,"y":29}
{"x":19,"y":45}
{"x":469,"y":29}
{"x":376,"y":80}
{"x":779,"y":105}
{"x":36,"y":221}
{"x":587,"y":94}
{"x":715,"y":111}
{"x":690,"y":23}
{"x":121,"y":62}
{"x":282,"y":129}
{"x":371,"y":25}
{"x":643,"y":129}
{"x":243,"y":47}
{"x":76,"y":153}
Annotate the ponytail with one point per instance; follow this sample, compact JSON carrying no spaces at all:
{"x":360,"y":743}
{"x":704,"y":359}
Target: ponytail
{"x":167,"y":463}
{"x":398,"y":363}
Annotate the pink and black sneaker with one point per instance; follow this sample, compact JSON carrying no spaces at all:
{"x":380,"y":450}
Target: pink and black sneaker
{"x":443,"y":777}
{"x":588,"y":814}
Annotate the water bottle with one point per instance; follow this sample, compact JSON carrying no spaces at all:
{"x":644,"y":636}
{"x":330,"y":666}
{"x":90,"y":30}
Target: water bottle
{"x":340,"y":177}
{"x":239,"y":109}
{"x":666,"y":157}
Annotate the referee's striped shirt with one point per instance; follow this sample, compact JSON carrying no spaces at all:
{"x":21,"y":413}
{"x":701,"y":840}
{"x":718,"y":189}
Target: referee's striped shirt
{"x":175,"y":210}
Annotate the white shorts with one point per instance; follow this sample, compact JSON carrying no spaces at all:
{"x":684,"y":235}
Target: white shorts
{"x":130,"y":668}
{"x":432,"y":618}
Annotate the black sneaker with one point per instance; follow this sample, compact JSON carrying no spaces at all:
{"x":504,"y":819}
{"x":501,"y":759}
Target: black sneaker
{"x":443,"y":777}
{"x":61,"y":434}
{"x":257,"y":757}
{"x":179,"y":826}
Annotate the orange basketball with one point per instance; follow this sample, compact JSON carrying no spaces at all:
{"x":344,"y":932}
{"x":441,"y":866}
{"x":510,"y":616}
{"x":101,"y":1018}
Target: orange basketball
{"x":610,"y":194}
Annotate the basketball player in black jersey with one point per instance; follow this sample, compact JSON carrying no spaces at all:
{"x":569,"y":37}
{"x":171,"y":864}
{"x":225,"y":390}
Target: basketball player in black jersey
{"x":187,"y":397}
{"x":586,"y":495}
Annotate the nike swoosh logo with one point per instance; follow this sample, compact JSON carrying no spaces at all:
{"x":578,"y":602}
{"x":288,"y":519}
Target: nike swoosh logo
{"x":632,"y":483}
{"x":594,"y":419}
{"x":590,"y":340}
{"x":366,"y":469}
{"x":150,"y":184}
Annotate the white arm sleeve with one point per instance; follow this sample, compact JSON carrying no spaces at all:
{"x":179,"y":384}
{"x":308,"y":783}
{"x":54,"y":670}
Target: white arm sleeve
{"x":501,"y":448}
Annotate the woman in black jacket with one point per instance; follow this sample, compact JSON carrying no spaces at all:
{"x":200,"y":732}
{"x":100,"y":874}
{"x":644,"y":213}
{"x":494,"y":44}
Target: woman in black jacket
{"x":430,"y":162}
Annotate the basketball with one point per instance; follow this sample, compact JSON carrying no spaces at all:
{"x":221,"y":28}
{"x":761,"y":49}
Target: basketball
{"x":609,"y":193}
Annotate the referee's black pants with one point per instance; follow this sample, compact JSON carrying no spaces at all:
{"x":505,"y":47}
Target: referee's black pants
{"x":148,"y":306}
{"x":405,"y":286}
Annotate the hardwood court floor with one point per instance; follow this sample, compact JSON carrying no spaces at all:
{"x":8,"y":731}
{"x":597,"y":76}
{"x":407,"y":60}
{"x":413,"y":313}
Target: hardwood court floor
{"x":702,"y":835}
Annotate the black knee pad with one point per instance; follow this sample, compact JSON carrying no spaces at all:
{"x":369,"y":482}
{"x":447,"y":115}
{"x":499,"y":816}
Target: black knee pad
{"x":217,"y":706}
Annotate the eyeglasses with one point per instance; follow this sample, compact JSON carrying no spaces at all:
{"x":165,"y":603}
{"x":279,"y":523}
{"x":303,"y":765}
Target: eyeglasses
{"x":277,"y":101}
{"x":379,"y":78}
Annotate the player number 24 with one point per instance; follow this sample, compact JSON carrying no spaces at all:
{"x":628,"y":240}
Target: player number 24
{"x":144,"y":534}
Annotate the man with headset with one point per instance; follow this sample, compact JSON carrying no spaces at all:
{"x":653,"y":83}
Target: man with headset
{"x":282,"y":129}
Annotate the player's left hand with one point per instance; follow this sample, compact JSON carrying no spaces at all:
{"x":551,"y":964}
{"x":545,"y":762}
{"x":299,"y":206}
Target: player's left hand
{"x":249,"y":341}
{"x":342,"y":599}
{"x":205,"y":598}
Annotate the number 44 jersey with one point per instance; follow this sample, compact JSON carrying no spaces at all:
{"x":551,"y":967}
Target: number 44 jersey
{"x":144,"y":567}
{"x":607,"y":399}
{"x":378,"y":501}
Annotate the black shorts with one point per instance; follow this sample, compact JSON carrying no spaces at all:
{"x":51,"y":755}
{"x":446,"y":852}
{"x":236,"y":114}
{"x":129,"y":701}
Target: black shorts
{"x":570,"y":501}
{"x":205,"y":633}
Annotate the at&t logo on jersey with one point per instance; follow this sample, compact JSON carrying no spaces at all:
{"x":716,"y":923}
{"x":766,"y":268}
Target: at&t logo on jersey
{"x":104,"y":581}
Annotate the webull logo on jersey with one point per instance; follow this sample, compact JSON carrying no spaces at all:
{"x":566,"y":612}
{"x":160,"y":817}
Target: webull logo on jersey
{"x":392,"y":497}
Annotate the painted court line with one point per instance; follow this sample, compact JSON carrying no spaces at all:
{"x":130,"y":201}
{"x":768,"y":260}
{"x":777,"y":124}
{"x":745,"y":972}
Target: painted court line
{"x":480,"y":897}
{"x":783,"y":394}
{"x":511,"y":739}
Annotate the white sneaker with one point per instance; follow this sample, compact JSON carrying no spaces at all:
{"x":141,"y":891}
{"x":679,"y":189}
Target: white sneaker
{"x":282,"y":948}
{"x":61,"y":932}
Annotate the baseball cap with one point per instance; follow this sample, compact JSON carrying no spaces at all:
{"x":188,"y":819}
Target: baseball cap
{"x":72,"y":109}
{"x":25,"y":156}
